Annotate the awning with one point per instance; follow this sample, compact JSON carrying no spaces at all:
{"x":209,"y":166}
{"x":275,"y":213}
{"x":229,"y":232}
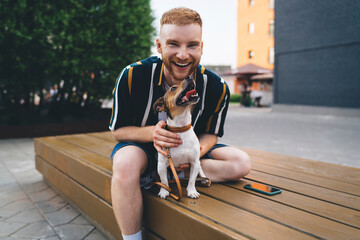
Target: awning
{"x":265,"y":76}
{"x":247,"y":70}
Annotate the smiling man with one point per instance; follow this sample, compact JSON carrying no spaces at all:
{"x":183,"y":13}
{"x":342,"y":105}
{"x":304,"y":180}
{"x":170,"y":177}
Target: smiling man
{"x":141,"y":133}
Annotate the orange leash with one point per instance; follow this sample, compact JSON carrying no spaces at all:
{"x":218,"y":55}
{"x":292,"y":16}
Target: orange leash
{"x":205,"y":182}
{"x":177,"y":198}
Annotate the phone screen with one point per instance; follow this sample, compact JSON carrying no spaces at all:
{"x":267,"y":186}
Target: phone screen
{"x":263,"y":187}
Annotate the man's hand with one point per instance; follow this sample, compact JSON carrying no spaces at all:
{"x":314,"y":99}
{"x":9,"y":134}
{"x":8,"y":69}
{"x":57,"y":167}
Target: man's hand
{"x":164,"y":139}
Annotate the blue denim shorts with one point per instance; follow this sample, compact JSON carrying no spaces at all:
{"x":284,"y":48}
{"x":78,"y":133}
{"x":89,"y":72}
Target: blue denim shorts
{"x":149,"y":150}
{"x":151,"y":153}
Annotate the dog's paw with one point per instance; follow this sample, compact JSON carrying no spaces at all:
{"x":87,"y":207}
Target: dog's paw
{"x":163,"y":193}
{"x":192,"y":193}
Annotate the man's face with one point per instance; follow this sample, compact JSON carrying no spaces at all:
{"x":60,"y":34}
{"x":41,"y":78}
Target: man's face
{"x":181,"y":48}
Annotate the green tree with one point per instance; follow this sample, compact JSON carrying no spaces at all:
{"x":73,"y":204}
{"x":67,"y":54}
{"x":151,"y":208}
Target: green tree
{"x":83,"y":43}
{"x":95,"y":39}
{"x":26,"y":55}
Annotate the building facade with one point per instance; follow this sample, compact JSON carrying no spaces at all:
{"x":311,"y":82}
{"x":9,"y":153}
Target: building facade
{"x":255,"y":33}
{"x":317,"y":55}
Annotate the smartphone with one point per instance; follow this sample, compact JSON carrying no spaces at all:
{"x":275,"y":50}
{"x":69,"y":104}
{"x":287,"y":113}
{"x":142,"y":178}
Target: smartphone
{"x":261,"y":188}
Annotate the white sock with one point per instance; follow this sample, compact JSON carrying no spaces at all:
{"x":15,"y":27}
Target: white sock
{"x":136,"y":236}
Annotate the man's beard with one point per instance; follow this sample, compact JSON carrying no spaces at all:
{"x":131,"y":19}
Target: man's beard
{"x":169,"y":66}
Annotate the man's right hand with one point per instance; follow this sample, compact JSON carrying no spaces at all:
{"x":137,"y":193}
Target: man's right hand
{"x":163,"y":138}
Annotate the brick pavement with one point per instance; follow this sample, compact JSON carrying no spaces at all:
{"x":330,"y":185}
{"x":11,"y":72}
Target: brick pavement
{"x":29,"y":208}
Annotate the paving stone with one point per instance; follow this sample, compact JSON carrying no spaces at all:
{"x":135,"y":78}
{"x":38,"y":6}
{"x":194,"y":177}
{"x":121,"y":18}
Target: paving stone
{"x":73,"y":231}
{"x":31,"y":174}
{"x":11,"y":197}
{"x":96,"y":235}
{"x":81,"y":220}
{"x":16,"y":163}
{"x":63,"y":216}
{"x":4,"y":214}
{"x":12,"y":187}
{"x":5,"y":200}
{"x":12,"y":238}
{"x":7,"y":228}
{"x":51,"y":238}
{"x":51,"y":205}
{"x":34,"y":186}
{"x":7,"y":179}
{"x":23,"y":168}
{"x":35,"y":231}
{"x":27,"y":216}
{"x":43,"y":195}
{"x":20,"y":205}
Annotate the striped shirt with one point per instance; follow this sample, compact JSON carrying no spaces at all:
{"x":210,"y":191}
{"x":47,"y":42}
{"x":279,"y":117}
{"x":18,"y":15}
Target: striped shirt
{"x":139,"y":85}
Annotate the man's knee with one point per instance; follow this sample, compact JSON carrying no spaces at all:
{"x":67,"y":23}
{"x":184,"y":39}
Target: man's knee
{"x":239,"y":163}
{"x":128,"y":164}
{"x":242,"y":164}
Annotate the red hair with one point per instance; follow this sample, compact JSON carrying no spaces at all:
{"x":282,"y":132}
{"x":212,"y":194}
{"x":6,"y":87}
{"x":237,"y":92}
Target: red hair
{"x":181,"y":16}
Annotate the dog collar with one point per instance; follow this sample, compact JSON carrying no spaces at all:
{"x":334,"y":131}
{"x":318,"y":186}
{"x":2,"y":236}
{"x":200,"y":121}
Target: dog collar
{"x":178,"y":129}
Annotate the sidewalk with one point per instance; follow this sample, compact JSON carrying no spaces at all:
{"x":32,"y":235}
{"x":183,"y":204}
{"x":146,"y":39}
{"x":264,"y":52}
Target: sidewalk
{"x":320,"y":134}
{"x":29,"y":209}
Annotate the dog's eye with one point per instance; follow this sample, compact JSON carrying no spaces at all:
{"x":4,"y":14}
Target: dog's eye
{"x":173,"y":88}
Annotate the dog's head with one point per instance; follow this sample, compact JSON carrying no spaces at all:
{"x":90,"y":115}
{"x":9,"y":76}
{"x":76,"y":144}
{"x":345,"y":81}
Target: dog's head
{"x":178,"y":98}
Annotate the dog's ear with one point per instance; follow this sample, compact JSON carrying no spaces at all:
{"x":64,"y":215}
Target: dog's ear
{"x":159,"y":105}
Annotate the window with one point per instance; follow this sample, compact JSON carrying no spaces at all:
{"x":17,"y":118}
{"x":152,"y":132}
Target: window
{"x":251,"y":2}
{"x":271,"y":28}
{"x":251,"y":28}
{"x":271,"y":4}
{"x":251,"y":54}
{"x":271,"y":55}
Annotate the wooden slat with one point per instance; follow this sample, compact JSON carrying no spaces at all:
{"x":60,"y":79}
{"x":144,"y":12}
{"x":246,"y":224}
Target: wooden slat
{"x":312,"y":205}
{"x":239,"y":220}
{"x":324,"y":194}
{"x":103,"y":135}
{"x":162,"y":216}
{"x":246,"y":223}
{"x":71,"y":160}
{"x":307,"y":178}
{"x":306,"y":221}
{"x":89,"y":144}
{"x":308,"y":204}
{"x":341,"y":178}
{"x":316,"y":168}
{"x":328,"y":170}
{"x":181,"y":223}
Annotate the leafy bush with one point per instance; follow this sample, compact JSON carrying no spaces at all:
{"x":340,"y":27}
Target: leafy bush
{"x":83,"y":44}
{"x":235,"y":98}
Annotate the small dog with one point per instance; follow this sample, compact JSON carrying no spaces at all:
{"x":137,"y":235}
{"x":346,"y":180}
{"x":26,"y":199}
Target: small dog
{"x":177,"y":103}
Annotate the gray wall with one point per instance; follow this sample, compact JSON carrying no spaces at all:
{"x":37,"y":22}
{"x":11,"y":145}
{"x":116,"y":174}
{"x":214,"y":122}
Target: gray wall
{"x":317,"y":53}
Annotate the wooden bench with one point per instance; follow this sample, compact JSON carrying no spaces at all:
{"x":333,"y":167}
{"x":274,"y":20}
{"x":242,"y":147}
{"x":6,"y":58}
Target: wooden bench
{"x":318,"y":200}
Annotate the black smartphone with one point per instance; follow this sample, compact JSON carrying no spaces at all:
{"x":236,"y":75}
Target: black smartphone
{"x":261,"y":188}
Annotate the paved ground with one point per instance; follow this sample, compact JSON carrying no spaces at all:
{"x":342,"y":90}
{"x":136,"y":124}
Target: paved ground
{"x":29,"y":209}
{"x":320,"y":137}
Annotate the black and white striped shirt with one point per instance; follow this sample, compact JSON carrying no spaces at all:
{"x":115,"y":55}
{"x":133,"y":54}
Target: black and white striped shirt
{"x":139,"y":85}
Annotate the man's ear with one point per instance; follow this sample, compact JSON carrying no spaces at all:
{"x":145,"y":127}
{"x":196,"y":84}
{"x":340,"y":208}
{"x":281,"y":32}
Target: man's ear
{"x":159,"y":105}
{"x":202,"y":47}
{"x":158,"y":45}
